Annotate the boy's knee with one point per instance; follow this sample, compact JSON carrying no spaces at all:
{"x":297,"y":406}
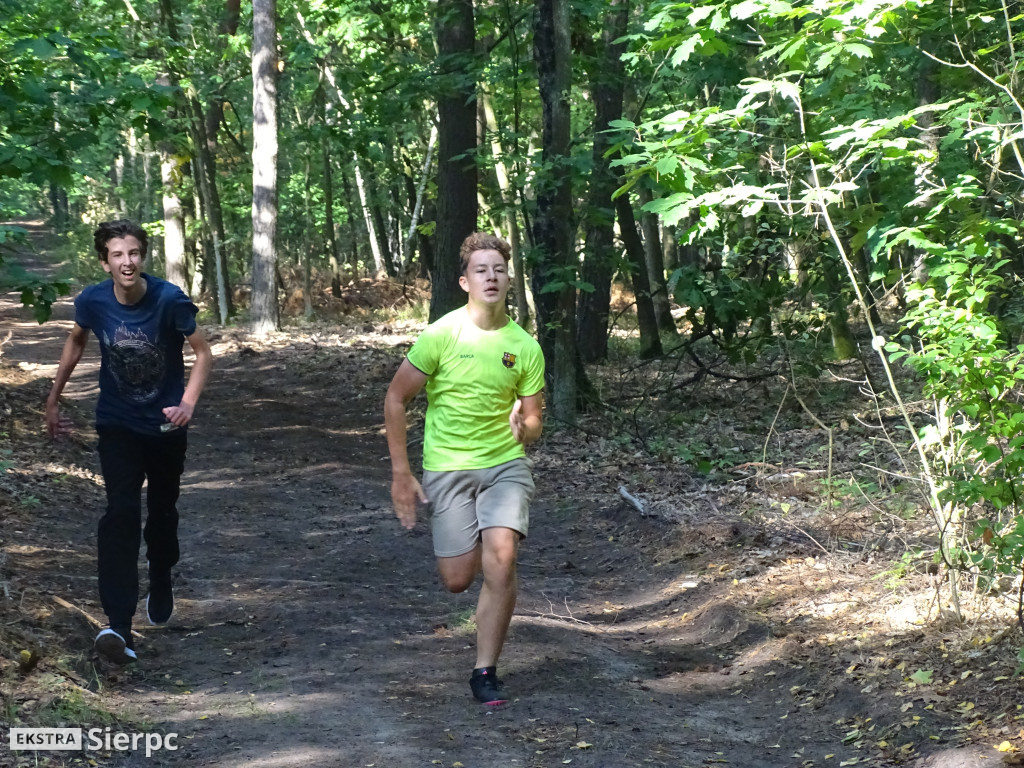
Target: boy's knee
{"x":121,"y":511}
{"x":500,"y":556}
{"x":457,"y":583}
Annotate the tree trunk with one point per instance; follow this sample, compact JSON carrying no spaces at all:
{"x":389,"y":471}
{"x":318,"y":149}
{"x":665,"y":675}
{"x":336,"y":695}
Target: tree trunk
{"x":456,"y":169}
{"x":386,"y":265}
{"x":509,"y":213}
{"x":213,"y":118}
{"x":174,"y":220}
{"x":655,"y":264}
{"x":364,"y":204}
{"x":214,"y":210}
{"x":353,"y":229}
{"x":650,"y":341}
{"x":211,"y":202}
{"x":263,"y":309}
{"x":606,"y":86}
{"x":417,"y":200}
{"x":669,"y":252}
{"x":426,"y":246}
{"x":553,"y":226}
{"x":844,"y":346}
{"x":170,"y":176}
{"x":307,"y":237}
{"x":329,"y":234}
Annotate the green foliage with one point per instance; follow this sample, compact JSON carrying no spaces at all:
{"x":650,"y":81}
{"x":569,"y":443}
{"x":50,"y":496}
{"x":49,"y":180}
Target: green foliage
{"x":835,"y":131}
{"x":972,"y":370}
{"x":36,"y":292}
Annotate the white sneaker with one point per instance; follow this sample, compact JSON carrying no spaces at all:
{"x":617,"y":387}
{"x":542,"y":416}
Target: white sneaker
{"x":113,"y":647}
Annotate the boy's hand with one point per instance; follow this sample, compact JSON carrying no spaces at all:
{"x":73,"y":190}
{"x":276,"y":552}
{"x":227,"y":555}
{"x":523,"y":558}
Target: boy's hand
{"x":406,"y":491}
{"x":57,"y":425}
{"x":179,"y":415}
{"x":517,"y":422}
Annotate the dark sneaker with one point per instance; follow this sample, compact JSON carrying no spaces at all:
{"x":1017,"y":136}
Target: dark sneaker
{"x":487,"y":687}
{"x":114,"y":647}
{"x":160,"y":600}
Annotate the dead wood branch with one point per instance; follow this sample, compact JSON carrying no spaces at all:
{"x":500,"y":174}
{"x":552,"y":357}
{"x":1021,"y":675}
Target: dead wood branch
{"x":640,"y":506}
{"x":89,"y":617}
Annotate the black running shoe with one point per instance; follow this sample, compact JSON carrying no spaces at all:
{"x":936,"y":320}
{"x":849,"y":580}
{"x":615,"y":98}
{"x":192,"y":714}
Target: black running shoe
{"x":112,"y":645}
{"x":487,"y":687}
{"x":160,"y":601}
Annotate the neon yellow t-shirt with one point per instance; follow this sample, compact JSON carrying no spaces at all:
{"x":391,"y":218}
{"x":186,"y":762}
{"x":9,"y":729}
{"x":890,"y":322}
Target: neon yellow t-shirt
{"x":475,"y":377}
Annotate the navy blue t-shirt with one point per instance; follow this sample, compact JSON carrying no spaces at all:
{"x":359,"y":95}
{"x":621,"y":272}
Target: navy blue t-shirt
{"x":142,"y":370}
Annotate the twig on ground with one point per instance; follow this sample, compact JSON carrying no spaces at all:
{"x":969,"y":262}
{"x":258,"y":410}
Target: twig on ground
{"x":89,"y":617}
{"x":805,"y":533}
{"x":569,"y":617}
{"x":640,"y":506}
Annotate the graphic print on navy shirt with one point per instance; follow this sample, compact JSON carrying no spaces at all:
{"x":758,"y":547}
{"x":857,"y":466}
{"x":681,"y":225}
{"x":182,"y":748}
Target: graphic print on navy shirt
{"x":142,"y":370}
{"x":137,"y":364}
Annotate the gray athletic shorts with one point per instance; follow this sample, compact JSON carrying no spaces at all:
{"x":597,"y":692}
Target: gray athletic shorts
{"x":466,"y":501}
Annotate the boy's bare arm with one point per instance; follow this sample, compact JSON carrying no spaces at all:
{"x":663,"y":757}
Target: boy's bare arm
{"x":405,"y":488}
{"x":527,"y":418}
{"x":182,"y":413}
{"x":69,"y":357}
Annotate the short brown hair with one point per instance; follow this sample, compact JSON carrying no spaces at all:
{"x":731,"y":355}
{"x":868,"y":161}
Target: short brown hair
{"x":482,"y":241}
{"x":122,"y":228}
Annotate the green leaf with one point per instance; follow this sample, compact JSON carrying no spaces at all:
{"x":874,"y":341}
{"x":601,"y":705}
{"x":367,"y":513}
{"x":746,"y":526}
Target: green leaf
{"x":859,"y":50}
{"x":922,"y":676}
{"x":745,"y":9}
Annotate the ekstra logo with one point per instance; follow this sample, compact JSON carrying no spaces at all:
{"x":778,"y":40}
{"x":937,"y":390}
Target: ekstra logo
{"x":71,"y":739}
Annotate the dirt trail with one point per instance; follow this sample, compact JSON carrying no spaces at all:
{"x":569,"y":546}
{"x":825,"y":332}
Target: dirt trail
{"x":310,"y":630}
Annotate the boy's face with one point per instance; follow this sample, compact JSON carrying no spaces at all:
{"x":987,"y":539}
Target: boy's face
{"x":124,"y":261}
{"x":486,"y":277}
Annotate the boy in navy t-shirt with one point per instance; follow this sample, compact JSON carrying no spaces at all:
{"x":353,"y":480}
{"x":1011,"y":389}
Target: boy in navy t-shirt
{"x":142,"y":416}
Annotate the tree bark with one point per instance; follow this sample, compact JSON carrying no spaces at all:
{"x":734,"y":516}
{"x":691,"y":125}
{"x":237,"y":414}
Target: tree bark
{"x":174,"y":220}
{"x":650,"y":341}
{"x":456,"y":171}
{"x":264,"y":315}
{"x":509,"y":213}
{"x":417,"y":200}
{"x":364,"y":204}
{"x":353,"y":229}
{"x":208,"y":185}
{"x":607,"y":88}
{"x":387,"y":265}
{"x":655,"y":264}
{"x":213,"y":118}
{"x":170,"y":176}
{"x":329,"y":235}
{"x":555,"y":273}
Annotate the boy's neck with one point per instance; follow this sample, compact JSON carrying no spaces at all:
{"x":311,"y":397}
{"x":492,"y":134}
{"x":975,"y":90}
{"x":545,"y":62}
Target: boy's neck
{"x":487,"y":317}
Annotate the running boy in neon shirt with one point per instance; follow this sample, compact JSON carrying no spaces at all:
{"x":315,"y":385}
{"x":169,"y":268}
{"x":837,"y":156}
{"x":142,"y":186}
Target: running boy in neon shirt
{"x":484,"y":377}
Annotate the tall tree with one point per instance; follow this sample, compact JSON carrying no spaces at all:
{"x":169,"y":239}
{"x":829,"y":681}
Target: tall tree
{"x":655,"y":260}
{"x":650,"y":341}
{"x":554,"y":276}
{"x":457,"y":136}
{"x":607,"y":88}
{"x":207,"y":184}
{"x":227,"y":27}
{"x":171,"y":168}
{"x":264,"y":310}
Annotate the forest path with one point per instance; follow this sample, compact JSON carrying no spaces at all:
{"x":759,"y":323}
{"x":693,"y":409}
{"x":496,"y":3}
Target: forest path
{"x":311,"y":630}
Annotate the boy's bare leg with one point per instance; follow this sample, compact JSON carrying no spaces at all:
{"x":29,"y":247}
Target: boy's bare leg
{"x":496,"y":557}
{"x":498,"y":593}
